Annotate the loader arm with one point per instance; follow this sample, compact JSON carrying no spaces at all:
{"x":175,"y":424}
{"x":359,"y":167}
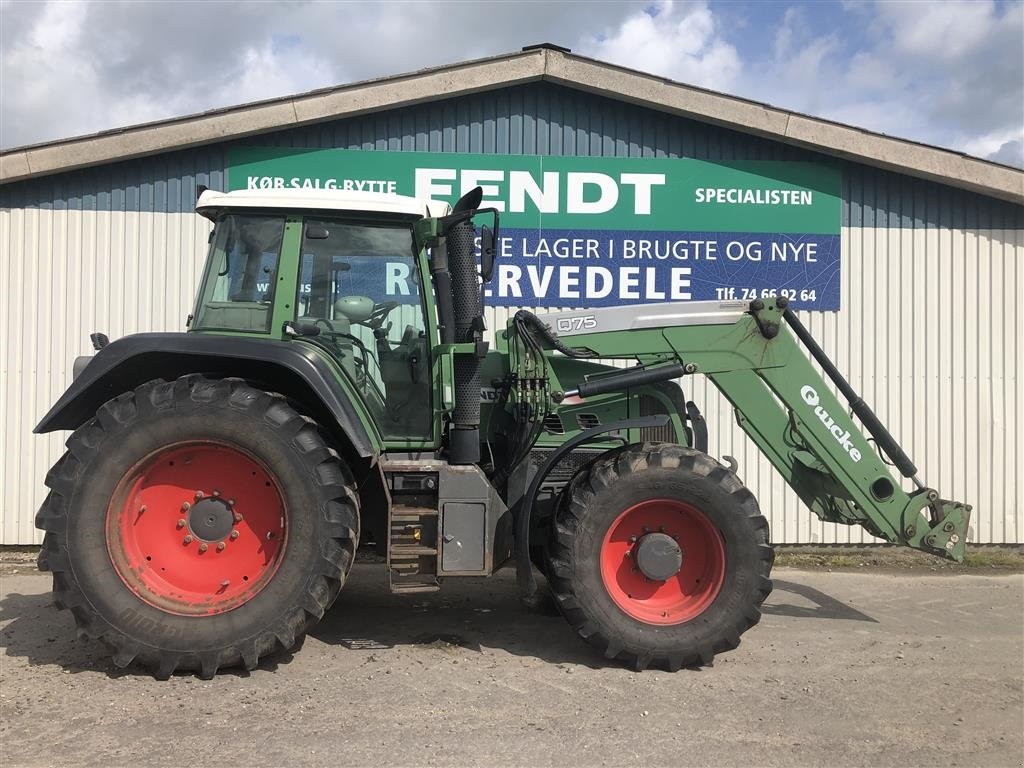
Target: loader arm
{"x":759,"y":356}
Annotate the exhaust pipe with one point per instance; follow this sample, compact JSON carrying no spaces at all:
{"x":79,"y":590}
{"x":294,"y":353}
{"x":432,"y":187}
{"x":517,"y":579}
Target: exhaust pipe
{"x":467,"y":301}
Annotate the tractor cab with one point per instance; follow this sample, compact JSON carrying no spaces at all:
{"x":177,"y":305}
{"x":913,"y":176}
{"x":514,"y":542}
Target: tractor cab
{"x":338,"y":271}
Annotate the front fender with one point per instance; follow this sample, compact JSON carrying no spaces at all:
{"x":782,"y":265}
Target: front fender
{"x":290,"y":369}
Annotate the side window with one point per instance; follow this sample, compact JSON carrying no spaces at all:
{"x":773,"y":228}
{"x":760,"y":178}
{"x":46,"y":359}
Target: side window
{"x":241,"y":273}
{"x":360,"y":284}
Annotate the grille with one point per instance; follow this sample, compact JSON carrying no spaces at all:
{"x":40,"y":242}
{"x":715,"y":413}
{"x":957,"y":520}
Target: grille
{"x":553,"y":424}
{"x":587,"y":420}
{"x":567,"y":466}
{"x":651,"y":406}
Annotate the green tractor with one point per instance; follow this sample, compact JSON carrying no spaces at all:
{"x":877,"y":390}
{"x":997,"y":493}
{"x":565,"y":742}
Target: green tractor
{"x":334,"y":389}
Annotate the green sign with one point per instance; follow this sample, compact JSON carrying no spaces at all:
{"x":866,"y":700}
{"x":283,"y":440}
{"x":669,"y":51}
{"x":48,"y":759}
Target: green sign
{"x":573,"y":192}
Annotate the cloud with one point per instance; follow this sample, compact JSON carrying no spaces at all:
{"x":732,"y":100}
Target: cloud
{"x":947,"y":73}
{"x":74,"y":68}
{"x":676,"y":40}
{"x":1009,"y":153}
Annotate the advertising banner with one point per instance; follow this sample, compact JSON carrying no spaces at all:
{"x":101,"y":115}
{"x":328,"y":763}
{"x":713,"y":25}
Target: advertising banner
{"x":603,"y":231}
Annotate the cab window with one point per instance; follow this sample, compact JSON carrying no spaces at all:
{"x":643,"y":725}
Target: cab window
{"x":238,"y":288}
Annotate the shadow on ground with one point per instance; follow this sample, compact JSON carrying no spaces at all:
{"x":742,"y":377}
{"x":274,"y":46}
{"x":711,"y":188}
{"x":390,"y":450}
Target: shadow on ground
{"x":470,"y":613}
{"x":822,"y":606}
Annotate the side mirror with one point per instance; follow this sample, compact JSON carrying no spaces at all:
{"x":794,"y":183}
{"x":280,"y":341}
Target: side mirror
{"x":299,"y":328}
{"x":487,"y":246}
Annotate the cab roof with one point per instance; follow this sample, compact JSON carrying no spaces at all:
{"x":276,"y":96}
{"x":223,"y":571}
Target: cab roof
{"x":211,"y":202}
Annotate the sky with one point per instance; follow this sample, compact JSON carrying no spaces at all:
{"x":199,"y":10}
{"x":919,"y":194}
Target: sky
{"x":947,"y":73}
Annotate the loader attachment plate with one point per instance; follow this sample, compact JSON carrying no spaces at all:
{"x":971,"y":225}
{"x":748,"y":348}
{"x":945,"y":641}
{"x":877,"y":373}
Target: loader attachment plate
{"x":947,"y":534}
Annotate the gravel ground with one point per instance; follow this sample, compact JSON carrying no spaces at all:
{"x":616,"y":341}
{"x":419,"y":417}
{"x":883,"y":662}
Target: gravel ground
{"x":844,"y":669}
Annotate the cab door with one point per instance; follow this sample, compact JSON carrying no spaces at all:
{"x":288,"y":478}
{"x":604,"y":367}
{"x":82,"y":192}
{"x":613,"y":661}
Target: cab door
{"x":359,"y":282}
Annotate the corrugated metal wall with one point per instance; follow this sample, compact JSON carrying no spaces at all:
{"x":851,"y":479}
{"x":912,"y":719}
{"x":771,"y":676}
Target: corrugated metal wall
{"x":928,"y":330}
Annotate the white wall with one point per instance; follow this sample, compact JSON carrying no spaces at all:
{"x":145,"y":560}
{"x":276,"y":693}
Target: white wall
{"x":929,"y":334}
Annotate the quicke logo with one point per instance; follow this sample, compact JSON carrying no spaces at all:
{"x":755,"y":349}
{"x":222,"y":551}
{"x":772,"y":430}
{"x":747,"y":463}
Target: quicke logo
{"x":842,"y":436}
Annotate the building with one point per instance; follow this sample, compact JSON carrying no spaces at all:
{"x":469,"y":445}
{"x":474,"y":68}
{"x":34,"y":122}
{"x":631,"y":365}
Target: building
{"x":98,"y":233}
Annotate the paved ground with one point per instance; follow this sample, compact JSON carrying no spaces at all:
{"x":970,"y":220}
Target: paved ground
{"x":844,"y":669}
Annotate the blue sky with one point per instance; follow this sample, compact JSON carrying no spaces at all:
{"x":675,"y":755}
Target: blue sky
{"x":946,"y":73}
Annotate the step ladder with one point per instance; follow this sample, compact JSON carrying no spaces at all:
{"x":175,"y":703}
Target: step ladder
{"x":413,"y":526}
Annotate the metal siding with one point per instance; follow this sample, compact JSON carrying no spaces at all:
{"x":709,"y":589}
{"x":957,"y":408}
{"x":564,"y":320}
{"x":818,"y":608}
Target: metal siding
{"x":928,"y":330}
{"x":66,"y":273}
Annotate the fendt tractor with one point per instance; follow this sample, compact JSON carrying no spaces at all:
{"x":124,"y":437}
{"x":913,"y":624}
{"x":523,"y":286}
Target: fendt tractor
{"x":218,"y":482}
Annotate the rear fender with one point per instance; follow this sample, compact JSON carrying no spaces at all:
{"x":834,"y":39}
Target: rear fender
{"x":287,"y":368}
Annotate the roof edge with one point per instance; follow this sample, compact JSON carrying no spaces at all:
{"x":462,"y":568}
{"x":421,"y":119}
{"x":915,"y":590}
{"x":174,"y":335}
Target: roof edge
{"x":543,"y":63}
{"x":218,"y":125}
{"x":819,"y":134}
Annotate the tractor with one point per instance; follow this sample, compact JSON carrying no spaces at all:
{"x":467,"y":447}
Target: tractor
{"x":336,"y":388}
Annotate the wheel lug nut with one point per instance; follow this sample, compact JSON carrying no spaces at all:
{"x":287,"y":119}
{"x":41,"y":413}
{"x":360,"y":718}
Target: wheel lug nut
{"x":181,"y":524}
{"x":225,"y":583}
{"x":199,"y":495}
{"x":216,"y":493}
{"x":220,"y":546}
{"x":186,"y":507}
{"x":632,"y":539}
{"x":202,"y":548}
{"x":234,"y":535}
{"x":231,"y":502}
{"x":238,"y":517}
{"x":187,"y":540}
{"x":645,"y":529}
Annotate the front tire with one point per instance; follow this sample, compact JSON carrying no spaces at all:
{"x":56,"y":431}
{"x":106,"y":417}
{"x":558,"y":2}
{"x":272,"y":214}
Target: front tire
{"x":198,"y":524}
{"x":660,"y":556}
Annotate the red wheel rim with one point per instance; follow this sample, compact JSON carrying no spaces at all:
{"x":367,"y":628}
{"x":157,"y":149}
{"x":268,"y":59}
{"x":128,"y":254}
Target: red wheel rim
{"x":680,"y":597}
{"x":197,"y":528}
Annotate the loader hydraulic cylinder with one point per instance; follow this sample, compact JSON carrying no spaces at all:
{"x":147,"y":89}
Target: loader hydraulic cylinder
{"x":622,"y":381}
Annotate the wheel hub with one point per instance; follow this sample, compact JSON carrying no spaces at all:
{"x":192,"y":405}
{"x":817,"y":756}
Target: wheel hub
{"x":658,"y":556}
{"x":210,"y":519}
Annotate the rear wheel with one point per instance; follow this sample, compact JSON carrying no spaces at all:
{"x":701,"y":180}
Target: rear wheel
{"x":198,"y":524}
{"x":660,"y":556}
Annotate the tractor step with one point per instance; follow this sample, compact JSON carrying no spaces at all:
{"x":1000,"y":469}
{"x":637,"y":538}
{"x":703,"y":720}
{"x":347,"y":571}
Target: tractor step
{"x":412,"y":529}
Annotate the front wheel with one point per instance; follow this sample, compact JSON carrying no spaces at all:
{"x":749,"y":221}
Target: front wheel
{"x":198,"y":524}
{"x":660,"y":556}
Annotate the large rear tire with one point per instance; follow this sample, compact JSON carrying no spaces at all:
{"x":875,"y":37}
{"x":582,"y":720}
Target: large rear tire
{"x":660,"y":556}
{"x":198,"y":524}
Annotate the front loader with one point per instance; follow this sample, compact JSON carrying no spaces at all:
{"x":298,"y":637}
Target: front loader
{"x":334,"y":389}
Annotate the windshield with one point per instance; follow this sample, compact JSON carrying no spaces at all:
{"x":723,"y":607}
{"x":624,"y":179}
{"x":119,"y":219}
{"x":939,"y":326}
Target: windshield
{"x":238,"y":288}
